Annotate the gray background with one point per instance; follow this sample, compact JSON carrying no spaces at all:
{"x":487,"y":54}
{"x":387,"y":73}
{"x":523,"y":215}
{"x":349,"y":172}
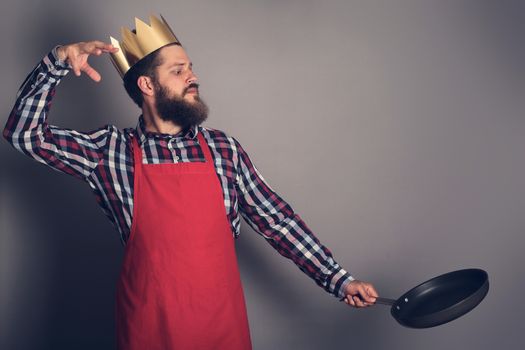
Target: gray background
{"x":395,"y":128}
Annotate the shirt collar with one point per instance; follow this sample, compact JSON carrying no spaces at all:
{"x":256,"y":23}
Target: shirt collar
{"x":143,"y":134}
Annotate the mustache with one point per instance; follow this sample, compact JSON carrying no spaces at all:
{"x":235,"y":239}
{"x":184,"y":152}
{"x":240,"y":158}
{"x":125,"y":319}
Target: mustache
{"x":192,"y":85}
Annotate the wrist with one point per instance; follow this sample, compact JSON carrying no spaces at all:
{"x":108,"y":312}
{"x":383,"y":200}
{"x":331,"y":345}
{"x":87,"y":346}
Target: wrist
{"x":344,"y":286}
{"x":61,"y":53}
{"x":55,"y":64}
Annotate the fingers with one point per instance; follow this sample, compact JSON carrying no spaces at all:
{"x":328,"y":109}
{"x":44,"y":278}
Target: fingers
{"x":360,"y":294}
{"x":372,"y":292}
{"x":77,"y":55}
{"x":92,"y":73}
{"x":350,"y":300}
{"x":97,"y":47}
{"x":82,"y":66}
{"x":75,"y":66}
{"x":367,"y":292}
{"x":355,"y":301}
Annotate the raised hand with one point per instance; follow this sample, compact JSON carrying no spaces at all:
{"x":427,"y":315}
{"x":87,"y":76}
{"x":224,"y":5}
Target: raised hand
{"x":77,"y":56}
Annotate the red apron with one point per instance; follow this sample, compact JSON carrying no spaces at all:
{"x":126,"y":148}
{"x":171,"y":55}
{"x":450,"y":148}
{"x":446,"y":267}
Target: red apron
{"x":179,"y":286}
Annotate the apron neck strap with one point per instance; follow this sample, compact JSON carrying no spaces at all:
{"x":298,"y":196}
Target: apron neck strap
{"x":137,"y":152}
{"x":205,"y":149}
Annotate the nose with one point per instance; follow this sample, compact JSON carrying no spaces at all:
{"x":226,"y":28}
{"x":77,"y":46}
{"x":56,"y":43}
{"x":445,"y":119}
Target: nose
{"x":192,"y":78}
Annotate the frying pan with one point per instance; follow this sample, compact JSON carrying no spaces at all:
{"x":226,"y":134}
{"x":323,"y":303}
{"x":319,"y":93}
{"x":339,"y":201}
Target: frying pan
{"x":440,"y":299}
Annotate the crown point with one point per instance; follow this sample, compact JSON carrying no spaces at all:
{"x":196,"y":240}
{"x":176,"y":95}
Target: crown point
{"x":140,"y":25}
{"x":142,"y":41}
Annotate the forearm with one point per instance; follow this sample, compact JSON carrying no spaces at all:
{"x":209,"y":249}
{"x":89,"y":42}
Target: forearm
{"x":68,"y":151}
{"x":27,"y":122}
{"x":294,"y":240}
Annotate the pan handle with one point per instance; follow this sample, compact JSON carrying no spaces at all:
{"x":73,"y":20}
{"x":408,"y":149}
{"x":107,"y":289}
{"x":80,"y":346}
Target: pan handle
{"x":382,"y":301}
{"x":385,"y":301}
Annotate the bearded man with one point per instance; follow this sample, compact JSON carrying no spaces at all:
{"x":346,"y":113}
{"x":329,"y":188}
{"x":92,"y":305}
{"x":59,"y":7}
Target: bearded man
{"x":175,"y":191}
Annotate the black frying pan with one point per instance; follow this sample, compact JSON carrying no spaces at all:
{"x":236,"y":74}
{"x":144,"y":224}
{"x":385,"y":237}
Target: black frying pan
{"x":440,"y":299}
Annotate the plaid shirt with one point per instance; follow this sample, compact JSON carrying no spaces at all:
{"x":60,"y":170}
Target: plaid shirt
{"x":104,"y":159}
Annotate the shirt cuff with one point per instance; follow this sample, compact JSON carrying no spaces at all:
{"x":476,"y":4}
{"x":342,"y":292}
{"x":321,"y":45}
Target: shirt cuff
{"x":339,"y":282}
{"x":55,"y":65}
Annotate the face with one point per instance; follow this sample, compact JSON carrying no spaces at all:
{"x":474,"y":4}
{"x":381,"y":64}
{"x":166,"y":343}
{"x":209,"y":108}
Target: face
{"x":176,"y":74}
{"x":176,"y":89}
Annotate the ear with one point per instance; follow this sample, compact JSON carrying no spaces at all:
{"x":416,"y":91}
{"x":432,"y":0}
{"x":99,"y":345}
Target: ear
{"x":145,"y":85}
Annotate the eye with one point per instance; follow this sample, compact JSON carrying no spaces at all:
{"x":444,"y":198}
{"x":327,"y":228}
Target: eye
{"x":177,"y":71}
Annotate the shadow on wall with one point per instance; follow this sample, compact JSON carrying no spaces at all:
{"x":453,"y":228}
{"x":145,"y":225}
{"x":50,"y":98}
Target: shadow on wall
{"x":62,"y":285}
{"x":66,"y":301}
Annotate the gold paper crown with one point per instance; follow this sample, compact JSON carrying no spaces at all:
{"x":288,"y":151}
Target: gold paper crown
{"x":140,"y":42}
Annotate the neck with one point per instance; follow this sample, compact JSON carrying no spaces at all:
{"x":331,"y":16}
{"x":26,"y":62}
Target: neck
{"x":154,"y":123}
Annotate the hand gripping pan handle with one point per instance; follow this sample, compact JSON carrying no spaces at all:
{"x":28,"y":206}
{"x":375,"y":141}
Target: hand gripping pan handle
{"x":440,"y":299}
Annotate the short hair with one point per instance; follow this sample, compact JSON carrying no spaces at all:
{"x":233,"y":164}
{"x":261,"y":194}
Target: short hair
{"x":145,"y":67}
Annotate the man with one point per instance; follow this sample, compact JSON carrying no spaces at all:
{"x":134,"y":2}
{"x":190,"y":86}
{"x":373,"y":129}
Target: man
{"x":174,"y":191}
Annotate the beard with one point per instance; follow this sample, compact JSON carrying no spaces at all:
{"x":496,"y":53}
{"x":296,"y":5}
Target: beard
{"x":177,"y":110}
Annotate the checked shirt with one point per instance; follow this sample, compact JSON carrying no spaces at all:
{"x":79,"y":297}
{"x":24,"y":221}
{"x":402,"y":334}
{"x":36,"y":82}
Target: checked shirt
{"x":103,"y":158}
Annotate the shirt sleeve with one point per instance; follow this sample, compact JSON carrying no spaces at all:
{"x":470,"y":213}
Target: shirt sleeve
{"x":27,"y":130}
{"x":268,"y":214}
